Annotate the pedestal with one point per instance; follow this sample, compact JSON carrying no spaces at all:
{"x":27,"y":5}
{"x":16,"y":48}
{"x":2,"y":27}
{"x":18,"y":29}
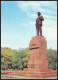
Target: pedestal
{"x":38,"y":52}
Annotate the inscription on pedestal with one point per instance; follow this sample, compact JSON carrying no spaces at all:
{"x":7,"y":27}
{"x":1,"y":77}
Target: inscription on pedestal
{"x":33,"y":44}
{"x":32,"y":66}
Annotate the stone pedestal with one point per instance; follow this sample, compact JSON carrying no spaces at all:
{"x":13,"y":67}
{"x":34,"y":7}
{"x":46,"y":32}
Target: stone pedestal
{"x":38,"y":53}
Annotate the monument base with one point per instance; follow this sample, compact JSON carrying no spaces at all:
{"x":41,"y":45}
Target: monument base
{"x":33,"y":74}
{"x":39,"y":73}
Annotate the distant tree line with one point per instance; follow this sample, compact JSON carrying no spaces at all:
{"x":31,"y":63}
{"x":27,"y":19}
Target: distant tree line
{"x":11,"y":59}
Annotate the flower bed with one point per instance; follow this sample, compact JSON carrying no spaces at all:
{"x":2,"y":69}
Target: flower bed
{"x":6,"y":72}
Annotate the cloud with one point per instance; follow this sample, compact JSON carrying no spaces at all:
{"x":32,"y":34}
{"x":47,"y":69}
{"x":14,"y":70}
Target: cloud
{"x":50,"y":32}
{"x":32,"y":15}
{"x":50,"y":29}
{"x":37,"y":5}
{"x":51,"y":4}
{"x":47,"y":11}
{"x":49,"y":23}
{"x":50,"y":17}
{"x":30,"y":23}
{"x":28,"y":5}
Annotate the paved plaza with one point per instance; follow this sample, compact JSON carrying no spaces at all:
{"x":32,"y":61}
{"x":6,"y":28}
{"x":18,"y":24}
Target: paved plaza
{"x":22,"y":77}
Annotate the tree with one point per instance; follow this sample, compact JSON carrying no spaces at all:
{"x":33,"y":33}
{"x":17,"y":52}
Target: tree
{"x":20,"y":59}
{"x":15,"y":60}
{"x":6,"y":57}
{"x":52,"y":59}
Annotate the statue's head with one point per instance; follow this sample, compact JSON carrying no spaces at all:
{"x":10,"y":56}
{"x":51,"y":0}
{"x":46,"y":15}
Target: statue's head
{"x":39,"y":13}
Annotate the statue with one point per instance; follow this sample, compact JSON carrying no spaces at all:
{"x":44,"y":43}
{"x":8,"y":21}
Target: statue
{"x":39,"y":24}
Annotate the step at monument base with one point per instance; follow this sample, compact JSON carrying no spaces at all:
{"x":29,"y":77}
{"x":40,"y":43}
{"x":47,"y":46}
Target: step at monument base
{"x":36,"y":74}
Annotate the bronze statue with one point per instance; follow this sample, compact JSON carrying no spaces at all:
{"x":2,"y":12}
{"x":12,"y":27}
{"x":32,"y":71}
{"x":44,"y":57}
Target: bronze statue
{"x":39,"y":24}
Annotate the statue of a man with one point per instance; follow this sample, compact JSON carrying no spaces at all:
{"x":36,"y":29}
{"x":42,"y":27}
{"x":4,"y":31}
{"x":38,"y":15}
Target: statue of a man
{"x":39,"y":24}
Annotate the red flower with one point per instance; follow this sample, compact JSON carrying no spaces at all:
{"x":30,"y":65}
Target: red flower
{"x":10,"y":72}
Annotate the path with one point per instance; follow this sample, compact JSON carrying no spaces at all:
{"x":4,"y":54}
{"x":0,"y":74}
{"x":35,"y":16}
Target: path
{"x":21,"y":77}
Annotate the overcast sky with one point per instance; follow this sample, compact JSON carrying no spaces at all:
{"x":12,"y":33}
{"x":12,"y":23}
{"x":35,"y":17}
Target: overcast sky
{"x":18,"y":22}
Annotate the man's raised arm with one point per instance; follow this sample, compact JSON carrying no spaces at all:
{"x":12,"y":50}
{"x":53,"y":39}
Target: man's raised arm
{"x":41,"y":18}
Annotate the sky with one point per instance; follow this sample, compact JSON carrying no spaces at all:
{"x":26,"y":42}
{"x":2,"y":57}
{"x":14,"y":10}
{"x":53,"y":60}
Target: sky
{"x":18,"y":20}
